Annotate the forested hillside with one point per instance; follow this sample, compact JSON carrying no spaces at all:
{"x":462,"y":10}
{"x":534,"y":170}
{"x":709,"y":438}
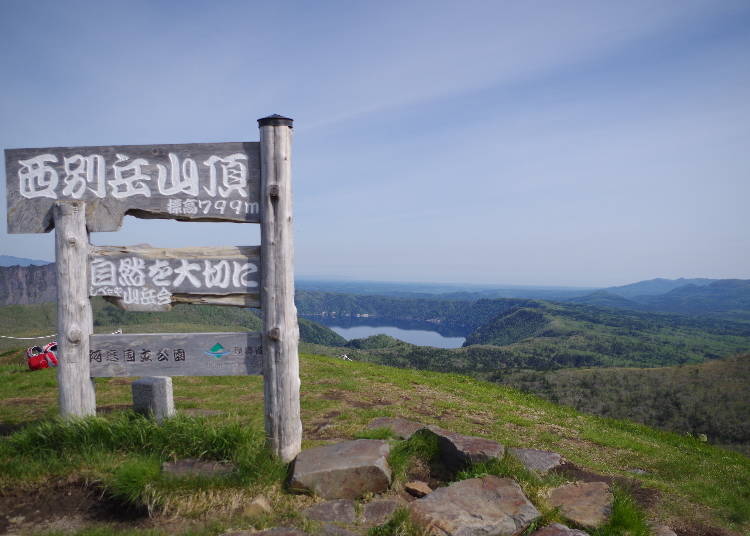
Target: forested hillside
{"x":710,"y":398}
{"x":40,"y":319}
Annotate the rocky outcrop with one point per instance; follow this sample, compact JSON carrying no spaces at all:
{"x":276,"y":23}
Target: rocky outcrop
{"x":26,"y":285}
{"x":539,"y":461}
{"x":346,"y":470}
{"x":400,"y":428}
{"x":458,"y":451}
{"x":474,"y":507}
{"x":556,"y":529}
{"x":588,"y":504}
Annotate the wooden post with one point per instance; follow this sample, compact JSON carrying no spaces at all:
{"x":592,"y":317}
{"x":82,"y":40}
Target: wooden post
{"x":74,"y":319}
{"x":280,"y":331}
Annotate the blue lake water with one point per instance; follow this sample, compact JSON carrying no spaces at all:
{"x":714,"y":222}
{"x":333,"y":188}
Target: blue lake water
{"x":421,"y":337}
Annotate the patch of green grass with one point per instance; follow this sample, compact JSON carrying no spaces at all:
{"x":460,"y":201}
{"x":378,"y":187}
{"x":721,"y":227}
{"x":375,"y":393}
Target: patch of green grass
{"x":626,"y":519}
{"x":421,"y":446}
{"x":375,"y":433}
{"x":125,"y":453}
{"x":398,"y":525}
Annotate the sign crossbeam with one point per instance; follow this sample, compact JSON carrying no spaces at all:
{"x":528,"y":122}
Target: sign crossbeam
{"x":143,"y":278}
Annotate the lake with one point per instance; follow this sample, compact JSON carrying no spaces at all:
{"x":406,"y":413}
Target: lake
{"x":419,"y":333}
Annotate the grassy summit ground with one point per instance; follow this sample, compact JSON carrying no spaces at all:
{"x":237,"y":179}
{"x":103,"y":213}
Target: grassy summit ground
{"x":693,"y":485}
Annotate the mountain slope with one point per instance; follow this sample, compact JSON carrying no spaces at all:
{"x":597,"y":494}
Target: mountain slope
{"x":652,"y":287}
{"x":564,"y":335}
{"x":693,"y":485}
{"x":9,"y":260}
{"x":709,"y":398}
{"x":723,"y":296}
{"x":40,"y":319}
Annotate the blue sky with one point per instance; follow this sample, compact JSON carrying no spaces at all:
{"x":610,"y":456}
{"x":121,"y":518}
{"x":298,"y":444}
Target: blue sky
{"x":505,"y":142}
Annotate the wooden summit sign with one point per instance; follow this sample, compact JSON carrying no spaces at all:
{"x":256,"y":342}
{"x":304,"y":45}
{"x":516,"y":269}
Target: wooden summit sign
{"x":142,"y":278}
{"x":77,"y":190}
{"x":198,"y":181}
{"x":176,"y":354}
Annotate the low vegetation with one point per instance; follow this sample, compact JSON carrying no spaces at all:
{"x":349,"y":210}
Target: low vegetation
{"x":709,"y":399}
{"x":118,"y":453}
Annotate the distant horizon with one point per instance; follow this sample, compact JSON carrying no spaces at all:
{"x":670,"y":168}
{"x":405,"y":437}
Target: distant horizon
{"x":456,"y":284}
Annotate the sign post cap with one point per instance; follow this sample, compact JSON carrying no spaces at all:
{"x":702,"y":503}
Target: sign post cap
{"x":275,"y":120}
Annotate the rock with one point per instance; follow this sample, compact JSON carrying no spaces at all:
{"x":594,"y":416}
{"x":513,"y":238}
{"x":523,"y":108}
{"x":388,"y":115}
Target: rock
{"x":338,"y":511}
{"x":195,"y":467}
{"x":588,"y":504}
{"x":378,"y":512}
{"x":329,"y":529}
{"x":556,"y":529}
{"x":662,"y":530}
{"x":400,"y":428}
{"x":417,"y":488}
{"x":539,"y":461}
{"x":458,"y":450}
{"x":346,"y":470}
{"x":475,"y":507}
{"x":257,"y":507}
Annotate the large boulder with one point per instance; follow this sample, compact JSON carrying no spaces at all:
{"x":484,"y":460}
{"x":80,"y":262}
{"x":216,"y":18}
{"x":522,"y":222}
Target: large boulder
{"x":400,"y":428}
{"x":588,"y":504}
{"x":539,"y":461}
{"x":487,"y":506}
{"x":346,"y":470}
{"x":457,"y":451}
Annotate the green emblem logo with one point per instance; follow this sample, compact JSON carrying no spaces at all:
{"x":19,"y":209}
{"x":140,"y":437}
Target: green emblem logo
{"x":217,"y":351}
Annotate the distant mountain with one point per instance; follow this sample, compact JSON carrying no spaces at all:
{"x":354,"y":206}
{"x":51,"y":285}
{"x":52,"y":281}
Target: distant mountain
{"x":24,"y":285}
{"x":603,"y":298}
{"x":9,"y":260}
{"x":720,"y":296}
{"x":550,"y":335}
{"x":656,"y":286}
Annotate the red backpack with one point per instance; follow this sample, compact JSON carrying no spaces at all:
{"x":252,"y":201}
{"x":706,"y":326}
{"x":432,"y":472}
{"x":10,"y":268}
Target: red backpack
{"x":41,"y":358}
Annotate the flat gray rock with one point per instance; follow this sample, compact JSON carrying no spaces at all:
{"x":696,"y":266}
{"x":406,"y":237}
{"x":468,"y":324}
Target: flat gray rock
{"x":346,"y":470}
{"x":458,"y":450}
{"x":588,"y":504}
{"x":401,"y":428}
{"x":487,"y":506}
{"x":539,"y":461}
{"x":338,"y":511}
{"x":195,"y":467}
{"x":556,"y":529}
{"x":379,"y":511}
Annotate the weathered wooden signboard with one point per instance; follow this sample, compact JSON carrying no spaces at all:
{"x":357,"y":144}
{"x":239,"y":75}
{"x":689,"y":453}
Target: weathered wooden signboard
{"x":77,"y":190}
{"x":198,"y":181}
{"x":142,"y":278}
{"x":176,"y":354}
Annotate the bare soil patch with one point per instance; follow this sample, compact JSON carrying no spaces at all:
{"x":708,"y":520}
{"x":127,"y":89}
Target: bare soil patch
{"x":73,"y":503}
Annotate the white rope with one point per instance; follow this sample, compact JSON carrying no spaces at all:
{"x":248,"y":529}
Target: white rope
{"x":54,"y":335}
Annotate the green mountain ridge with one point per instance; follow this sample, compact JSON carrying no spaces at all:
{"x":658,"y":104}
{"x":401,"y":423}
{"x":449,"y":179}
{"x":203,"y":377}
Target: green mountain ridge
{"x":708,"y":398}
